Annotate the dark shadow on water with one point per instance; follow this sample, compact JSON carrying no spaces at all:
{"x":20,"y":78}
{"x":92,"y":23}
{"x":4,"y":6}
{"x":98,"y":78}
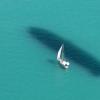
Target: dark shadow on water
{"x":52,"y":61}
{"x":72,"y":51}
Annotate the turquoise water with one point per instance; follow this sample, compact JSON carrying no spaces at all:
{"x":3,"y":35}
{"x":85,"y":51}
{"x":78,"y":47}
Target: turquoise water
{"x":28,"y":67}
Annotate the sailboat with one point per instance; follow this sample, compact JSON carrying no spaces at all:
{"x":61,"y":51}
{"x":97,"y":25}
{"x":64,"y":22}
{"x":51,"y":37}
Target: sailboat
{"x":60,"y":57}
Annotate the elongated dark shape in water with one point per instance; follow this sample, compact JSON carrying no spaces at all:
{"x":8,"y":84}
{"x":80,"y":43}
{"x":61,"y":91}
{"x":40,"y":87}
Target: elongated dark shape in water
{"x":72,"y":52}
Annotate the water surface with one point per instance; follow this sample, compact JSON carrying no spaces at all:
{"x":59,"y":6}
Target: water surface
{"x":28,"y":67}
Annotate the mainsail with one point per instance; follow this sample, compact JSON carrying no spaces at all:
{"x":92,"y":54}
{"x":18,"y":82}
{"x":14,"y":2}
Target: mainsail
{"x":60,"y":52}
{"x":60,"y":57}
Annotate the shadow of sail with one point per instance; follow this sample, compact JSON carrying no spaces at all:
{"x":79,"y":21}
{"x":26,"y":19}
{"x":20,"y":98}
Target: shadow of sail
{"x":72,"y":52}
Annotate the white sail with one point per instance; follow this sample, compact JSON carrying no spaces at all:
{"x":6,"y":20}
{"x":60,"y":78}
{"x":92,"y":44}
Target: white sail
{"x":61,"y":58}
{"x":60,"y":52}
